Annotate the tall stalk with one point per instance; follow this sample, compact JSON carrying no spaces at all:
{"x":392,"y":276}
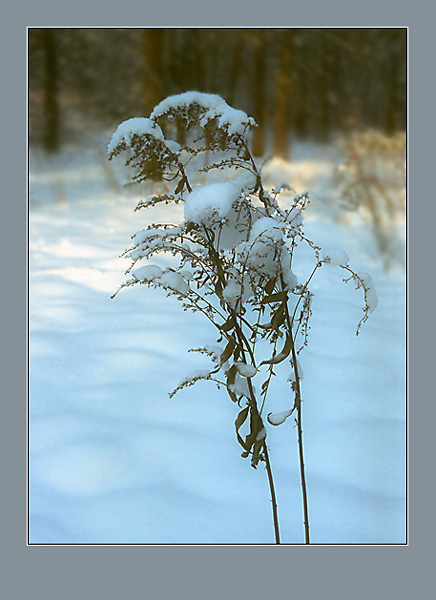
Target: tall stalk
{"x":297,"y":401}
{"x":273,"y":494}
{"x":299,"y":423}
{"x":243,"y":342}
{"x":302,"y":474}
{"x":254,"y":407}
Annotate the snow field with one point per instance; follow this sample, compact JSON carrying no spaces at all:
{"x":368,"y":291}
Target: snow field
{"x":112,"y":459}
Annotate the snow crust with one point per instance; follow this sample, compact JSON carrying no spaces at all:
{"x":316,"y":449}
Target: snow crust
{"x":232,"y":292}
{"x":174,"y":281}
{"x":289,"y":278}
{"x":207,"y":204}
{"x":170,"y":279}
{"x":147,"y":234}
{"x":240,"y":386}
{"x":335,"y":257}
{"x":371,"y":295}
{"x":138,"y":126}
{"x":266,"y":229}
{"x":193,"y":375}
{"x":265,"y":234}
{"x":246,"y":370}
{"x":214,"y":350}
{"x":148,"y":272}
{"x":233,"y":120}
{"x":280,"y":417}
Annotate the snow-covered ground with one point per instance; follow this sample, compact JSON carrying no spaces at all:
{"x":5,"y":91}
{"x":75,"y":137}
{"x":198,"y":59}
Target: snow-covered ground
{"x":114,"y":460}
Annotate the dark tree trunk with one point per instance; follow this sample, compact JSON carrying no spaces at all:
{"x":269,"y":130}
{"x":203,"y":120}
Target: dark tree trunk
{"x":153,"y":48}
{"x":235,"y":66}
{"x":199,"y":60}
{"x":392,"y":87}
{"x":259,"y":92}
{"x":282,"y":91}
{"x":51,"y":104}
{"x":324,"y":91}
{"x":301,"y":97}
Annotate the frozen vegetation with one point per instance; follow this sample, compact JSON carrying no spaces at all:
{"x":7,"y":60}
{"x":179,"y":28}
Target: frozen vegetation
{"x":113,"y":458}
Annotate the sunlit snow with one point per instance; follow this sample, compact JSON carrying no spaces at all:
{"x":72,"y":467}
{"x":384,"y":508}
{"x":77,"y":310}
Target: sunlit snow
{"x":113,"y":459}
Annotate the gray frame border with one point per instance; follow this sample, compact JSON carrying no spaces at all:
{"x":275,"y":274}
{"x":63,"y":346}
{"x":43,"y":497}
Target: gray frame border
{"x":167,"y":570}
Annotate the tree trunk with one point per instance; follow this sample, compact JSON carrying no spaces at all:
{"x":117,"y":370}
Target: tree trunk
{"x":392,"y":87}
{"x":153,"y":46}
{"x":282,"y":90}
{"x":235,"y":65}
{"x":51,"y":104}
{"x":324,"y":91}
{"x":259,"y":89}
{"x":301,"y":97}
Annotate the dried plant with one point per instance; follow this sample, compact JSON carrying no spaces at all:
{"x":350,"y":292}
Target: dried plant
{"x":236,"y":262}
{"x":372,"y":183}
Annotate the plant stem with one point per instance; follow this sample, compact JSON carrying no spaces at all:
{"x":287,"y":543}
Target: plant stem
{"x":273,"y":494}
{"x":245,"y":346}
{"x":254,"y":407}
{"x":302,"y":473}
{"x":242,"y":340}
{"x":297,"y":392}
{"x":268,"y":470}
{"x":298,"y":420}
{"x":300,"y":432}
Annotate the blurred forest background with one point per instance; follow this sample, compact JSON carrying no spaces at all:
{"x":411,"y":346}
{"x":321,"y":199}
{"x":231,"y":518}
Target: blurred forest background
{"x":331,"y":105}
{"x":306,"y":84}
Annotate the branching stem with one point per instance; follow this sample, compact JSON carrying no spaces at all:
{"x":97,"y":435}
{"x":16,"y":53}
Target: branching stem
{"x":299,"y":430}
{"x":273,"y":494}
{"x":265,"y":449}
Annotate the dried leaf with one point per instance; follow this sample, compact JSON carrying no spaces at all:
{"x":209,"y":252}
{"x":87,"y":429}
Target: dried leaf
{"x":256,"y":453}
{"x":228,"y":351}
{"x":229,"y":324}
{"x":269,"y":286}
{"x":278,"y":297}
{"x":233,"y":397}
{"x":281,"y":355}
{"x":231,"y":375}
{"x":278,"y":316}
{"x":240,"y":420}
{"x":180,"y":186}
{"x":255,"y":426}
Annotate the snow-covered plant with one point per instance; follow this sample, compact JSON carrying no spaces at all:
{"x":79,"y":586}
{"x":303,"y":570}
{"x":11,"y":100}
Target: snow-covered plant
{"x":236,"y":261}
